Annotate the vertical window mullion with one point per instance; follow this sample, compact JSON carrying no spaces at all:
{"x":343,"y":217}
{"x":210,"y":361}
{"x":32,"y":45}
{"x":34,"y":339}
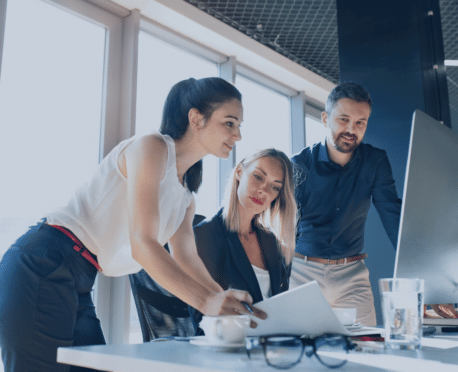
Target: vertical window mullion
{"x":298,"y":122}
{"x":129,"y":74}
{"x":113,"y":294}
{"x":227,"y":71}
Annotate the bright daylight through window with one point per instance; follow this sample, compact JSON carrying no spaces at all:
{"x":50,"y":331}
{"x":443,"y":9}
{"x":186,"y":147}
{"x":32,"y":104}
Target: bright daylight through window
{"x":50,"y":110}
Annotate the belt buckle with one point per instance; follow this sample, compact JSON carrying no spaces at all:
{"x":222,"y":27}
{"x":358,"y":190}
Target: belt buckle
{"x":329,"y":261}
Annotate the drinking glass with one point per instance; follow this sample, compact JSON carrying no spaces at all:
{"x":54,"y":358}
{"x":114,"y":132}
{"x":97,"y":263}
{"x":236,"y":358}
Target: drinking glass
{"x":402,"y":310}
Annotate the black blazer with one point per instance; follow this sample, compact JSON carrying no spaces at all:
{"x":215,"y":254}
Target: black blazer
{"x":226,"y":260}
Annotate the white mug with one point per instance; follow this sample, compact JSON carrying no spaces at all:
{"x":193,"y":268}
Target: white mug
{"x":347,"y":316}
{"x":226,"y":329}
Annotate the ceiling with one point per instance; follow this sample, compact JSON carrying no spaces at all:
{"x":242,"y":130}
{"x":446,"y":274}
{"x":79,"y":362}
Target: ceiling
{"x":305,"y":31}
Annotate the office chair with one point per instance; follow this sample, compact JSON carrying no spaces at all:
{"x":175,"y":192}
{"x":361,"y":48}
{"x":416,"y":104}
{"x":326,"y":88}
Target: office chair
{"x":160,"y":313}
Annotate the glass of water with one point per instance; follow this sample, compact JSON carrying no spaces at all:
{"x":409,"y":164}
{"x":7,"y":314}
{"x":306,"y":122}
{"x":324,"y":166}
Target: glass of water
{"x":402,"y":310}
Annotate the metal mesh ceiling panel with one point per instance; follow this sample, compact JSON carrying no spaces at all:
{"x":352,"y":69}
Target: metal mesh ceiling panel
{"x":305,"y":31}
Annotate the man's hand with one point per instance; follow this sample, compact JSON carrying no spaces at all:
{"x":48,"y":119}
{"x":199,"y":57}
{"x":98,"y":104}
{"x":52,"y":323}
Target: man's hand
{"x":443,"y":310}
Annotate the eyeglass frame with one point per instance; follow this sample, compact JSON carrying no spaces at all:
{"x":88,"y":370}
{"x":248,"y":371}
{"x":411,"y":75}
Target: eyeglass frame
{"x":305,"y":341}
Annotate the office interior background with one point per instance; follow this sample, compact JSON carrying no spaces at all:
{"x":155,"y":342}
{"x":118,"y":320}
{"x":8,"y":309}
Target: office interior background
{"x":79,"y":76}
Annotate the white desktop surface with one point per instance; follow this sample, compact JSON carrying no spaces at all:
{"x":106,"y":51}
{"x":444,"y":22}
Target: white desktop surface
{"x":181,"y":356}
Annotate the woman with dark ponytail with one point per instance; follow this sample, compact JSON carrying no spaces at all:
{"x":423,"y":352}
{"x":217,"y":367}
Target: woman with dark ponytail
{"x":139,"y":199}
{"x":205,"y":95}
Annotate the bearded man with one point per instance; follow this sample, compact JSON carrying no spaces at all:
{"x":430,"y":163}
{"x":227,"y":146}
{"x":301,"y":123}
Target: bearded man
{"x":338,"y":179}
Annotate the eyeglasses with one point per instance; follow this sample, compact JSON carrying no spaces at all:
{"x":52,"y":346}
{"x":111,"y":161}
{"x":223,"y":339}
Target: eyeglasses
{"x":285,"y":351}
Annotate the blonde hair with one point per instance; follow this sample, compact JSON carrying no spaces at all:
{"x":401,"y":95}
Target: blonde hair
{"x":281,"y":217}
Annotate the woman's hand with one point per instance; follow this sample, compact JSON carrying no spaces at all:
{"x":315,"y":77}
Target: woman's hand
{"x":230,"y":303}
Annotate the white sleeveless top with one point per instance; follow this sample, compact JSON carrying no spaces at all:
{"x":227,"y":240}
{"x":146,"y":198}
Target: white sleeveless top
{"x":97,"y":213}
{"x":263,"y":277}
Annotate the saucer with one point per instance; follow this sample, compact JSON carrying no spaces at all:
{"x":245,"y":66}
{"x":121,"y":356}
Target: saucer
{"x":203,"y":341}
{"x":353,"y":328}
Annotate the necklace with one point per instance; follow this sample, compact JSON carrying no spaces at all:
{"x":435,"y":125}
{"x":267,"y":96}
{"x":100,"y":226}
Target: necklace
{"x":247,"y":235}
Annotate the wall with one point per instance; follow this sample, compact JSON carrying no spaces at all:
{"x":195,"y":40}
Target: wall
{"x":392,"y":48}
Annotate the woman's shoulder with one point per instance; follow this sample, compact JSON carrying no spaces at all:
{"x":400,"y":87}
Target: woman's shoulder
{"x":211,"y":230}
{"x":155,"y":141}
{"x":146,"y":153}
{"x":153,"y":144}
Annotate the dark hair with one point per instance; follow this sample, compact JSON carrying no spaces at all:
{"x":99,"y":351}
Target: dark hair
{"x":206,"y":95}
{"x":350,"y":90}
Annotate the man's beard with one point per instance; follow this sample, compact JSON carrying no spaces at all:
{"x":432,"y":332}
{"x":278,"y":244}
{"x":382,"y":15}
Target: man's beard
{"x":343,"y":146}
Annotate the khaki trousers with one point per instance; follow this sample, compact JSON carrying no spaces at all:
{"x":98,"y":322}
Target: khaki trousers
{"x":346,"y":285}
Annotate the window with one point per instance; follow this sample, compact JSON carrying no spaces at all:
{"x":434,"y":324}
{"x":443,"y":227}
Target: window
{"x":160,"y":66}
{"x":50,"y":109}
{"x":314,"y":131}
{"x":266,"y":119}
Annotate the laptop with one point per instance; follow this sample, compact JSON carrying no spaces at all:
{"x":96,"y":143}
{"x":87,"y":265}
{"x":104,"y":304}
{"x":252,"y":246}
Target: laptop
{"x":303,"y":311}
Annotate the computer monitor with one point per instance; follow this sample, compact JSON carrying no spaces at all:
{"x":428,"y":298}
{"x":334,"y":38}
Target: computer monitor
{"x":428,"y":232}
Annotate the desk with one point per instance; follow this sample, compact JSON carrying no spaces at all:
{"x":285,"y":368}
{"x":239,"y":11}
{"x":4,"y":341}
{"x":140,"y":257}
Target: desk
{"x":179,"y":356}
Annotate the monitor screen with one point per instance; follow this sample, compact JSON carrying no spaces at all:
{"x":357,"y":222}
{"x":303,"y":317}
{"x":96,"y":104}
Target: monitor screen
{"x":428,"y":233}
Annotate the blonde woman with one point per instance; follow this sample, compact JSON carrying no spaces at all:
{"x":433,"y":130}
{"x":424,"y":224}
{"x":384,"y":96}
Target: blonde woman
{"x":249,"y":244}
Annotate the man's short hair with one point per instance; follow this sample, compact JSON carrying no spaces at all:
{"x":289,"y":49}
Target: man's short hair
{"x":350,"y":90}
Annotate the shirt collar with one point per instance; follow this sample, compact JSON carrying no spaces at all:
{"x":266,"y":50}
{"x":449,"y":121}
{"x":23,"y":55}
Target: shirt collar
{"x":323,"y":154}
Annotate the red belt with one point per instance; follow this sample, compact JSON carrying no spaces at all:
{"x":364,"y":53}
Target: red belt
{"x":79,"y":247}
{"x":328,"y":261}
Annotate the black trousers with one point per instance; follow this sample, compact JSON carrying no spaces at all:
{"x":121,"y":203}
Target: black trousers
{"x":45,"y":301}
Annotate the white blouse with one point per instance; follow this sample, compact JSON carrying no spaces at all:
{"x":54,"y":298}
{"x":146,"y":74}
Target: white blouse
{"x":263,"y":280}
{"x":97,"y":213}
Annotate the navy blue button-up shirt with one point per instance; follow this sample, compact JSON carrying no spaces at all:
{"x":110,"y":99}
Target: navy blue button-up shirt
{"x":334,"y":201}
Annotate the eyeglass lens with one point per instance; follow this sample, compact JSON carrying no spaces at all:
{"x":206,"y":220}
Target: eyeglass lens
{"x":331,"y":350}
{"x":286,"y":351}
{"x":283,"y":352}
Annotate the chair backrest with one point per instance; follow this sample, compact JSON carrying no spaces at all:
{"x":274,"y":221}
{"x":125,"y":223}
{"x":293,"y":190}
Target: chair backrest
{"x":198,"y":218}
{"x":160,"y":313}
